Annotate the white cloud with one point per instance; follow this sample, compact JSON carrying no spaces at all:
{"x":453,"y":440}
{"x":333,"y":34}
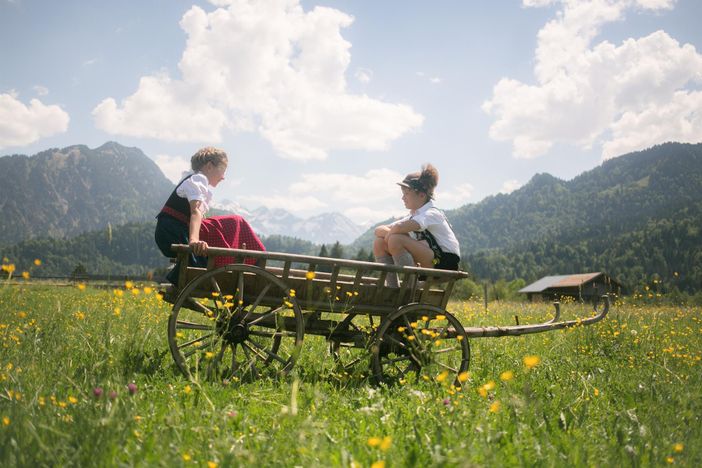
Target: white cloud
{"x":431,"y":79}
{"x":373,"y":186}
{"x":286,"y":202}
{"x":510,"y":186}
{"x":457,"y":196}
{"x":605,"y":94}
{"x":173,"y":167}
{"x":41,"y":90}
{"x":366,"y":216}
{"x":364,"y":75}
{"x":21,"y":124}
{"x":268,"y":66}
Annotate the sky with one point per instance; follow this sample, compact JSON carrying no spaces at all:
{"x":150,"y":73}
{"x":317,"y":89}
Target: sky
{"x":322,"y":105}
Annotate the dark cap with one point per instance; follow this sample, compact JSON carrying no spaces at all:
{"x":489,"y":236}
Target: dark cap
{"x":412,"y":182}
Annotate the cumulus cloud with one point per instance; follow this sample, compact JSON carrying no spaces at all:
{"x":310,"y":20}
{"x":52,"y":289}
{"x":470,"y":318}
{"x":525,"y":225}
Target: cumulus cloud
{"x":374,"y":185}
{"x":264,"y":66}
{"x":22,"y":124}
{"x":455,"y":197}
{"x":292,"y":204}
{"x":510,"y":186}
{"x":364,"y":75}
{"x":173,"y":167}
{"x":41,"y":90}
{"x":623,"y":97}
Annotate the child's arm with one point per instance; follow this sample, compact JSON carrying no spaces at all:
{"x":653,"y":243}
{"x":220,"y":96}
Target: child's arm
{"x":199,"y":247}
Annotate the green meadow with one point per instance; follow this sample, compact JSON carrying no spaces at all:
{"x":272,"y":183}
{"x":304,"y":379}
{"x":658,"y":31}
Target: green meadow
{"x":86,"y":379}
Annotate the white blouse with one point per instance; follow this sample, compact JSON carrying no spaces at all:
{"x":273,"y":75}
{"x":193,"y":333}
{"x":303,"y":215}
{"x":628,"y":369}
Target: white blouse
{"x":433,"y":220}
{"x":196,"y":187}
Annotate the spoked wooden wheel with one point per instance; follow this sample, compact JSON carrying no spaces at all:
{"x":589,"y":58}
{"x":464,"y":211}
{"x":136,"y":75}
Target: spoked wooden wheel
{"x":236,"y":322}
{"x":349,"y":344}
{"x":420,"y":342}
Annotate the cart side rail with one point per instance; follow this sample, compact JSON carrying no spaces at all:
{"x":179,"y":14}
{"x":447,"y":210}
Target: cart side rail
{"x":435,"y":288}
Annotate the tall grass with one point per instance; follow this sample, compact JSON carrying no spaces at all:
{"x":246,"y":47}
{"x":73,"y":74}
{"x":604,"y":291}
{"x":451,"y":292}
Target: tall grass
{"x":86,"y":379}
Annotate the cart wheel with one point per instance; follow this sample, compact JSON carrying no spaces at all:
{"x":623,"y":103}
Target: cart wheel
{"x":422,"y":342}
{"x":246,"y":326}
{"x":349,"y":344}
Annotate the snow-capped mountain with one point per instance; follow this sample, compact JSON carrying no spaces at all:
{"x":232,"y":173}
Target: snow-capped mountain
{"x":325,"y":228}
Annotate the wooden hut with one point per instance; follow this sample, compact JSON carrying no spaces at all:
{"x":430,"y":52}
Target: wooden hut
{"x":582,"y":286}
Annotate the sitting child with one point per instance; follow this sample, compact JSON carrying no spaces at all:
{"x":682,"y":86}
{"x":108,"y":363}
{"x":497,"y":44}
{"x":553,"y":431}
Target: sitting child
{"x":182,"y":219}
{"x":423,"y":237}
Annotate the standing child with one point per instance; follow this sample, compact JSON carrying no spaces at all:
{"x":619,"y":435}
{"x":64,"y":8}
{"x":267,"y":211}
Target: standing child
{"x":182,"y":219}
{"x":424,"y":237}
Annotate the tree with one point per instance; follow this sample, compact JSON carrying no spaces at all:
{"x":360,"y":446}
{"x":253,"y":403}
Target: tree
{"x":337,"y":251}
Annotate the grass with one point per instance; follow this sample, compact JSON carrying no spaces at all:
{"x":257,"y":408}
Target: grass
{"x":625,"y":391}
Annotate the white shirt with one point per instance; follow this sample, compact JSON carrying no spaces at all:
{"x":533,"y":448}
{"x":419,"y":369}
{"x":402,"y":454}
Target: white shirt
{"x":196,"y":187}
{"x":433,"y":220}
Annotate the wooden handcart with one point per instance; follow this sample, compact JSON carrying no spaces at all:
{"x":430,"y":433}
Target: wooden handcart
{"x":247,"y":319}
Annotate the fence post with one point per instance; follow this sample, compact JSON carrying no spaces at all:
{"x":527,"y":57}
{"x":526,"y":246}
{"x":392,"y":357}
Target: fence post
{"x":485,"y":295}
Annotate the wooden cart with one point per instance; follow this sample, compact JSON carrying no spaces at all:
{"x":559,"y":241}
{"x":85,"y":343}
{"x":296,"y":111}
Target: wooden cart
{"x":247,"y":319}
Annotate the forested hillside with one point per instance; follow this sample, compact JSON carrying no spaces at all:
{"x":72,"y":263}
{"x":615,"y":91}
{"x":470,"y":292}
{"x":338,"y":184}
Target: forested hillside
{"x":636,"y":217}
{"x":66,"y":192}
{"x":123,"y":250}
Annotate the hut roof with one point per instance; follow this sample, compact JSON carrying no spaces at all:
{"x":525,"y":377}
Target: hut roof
{"x":559,"y":281}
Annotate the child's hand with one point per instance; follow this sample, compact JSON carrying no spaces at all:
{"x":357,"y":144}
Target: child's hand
{"x":199,"y":247}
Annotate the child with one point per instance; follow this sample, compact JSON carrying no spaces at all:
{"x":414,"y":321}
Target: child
{"x":424,"y":237}
{"x":182,"y":221}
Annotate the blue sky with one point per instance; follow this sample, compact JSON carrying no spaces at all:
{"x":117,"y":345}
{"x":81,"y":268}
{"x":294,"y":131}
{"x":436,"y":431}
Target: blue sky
{"x":323,"y":105}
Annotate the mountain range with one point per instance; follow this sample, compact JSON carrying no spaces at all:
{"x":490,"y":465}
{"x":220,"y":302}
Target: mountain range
{"x":325,"y":228}
{"x":637,"y":217}
{"x":65,"y":192}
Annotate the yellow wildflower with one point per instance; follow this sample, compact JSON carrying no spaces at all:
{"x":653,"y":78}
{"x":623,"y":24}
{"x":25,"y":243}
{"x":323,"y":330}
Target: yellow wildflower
{"x":211,"y":464}
{"x":495,"y":406}
{"x":73,"y":400}
{"x":386,"y":443}
{"x":374,"y":441}
{"x":25,"y":274}
{"x":310,"y":275}
{"x":531,"y":361}
{"x":506,"y":376}
{"x":128,"y":284}
{"x":187,"y":457}
{"x":187,"y":389}
{"x":81,"y":286}
{"x":5,"y":421}
{"x":677,"y":448}
{"x":463,"y":376}
{"x":441,"y":377}
{"x":37,"y":262}
{"x":378,"y":464}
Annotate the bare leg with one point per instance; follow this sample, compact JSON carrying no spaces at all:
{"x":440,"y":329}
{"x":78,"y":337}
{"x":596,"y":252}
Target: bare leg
{"x":398,"y":244}
{"x":383,"y":256}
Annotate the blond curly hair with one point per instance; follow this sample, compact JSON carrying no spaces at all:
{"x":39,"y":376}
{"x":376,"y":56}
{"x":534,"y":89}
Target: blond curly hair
{"x":206,"y":155}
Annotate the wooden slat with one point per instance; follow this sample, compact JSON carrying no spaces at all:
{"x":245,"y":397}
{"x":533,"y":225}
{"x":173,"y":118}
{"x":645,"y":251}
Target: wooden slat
{"x":447,"y":293}
{"x":286,"y":270}
{"x":380,"y":286}
{"x":333,"y":279}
